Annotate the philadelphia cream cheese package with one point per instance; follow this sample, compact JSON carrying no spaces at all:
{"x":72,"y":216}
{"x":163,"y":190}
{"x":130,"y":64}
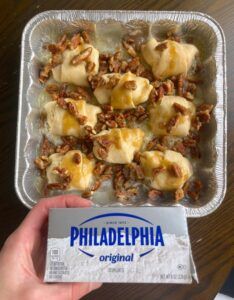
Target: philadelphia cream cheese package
{"x":146,"y":244}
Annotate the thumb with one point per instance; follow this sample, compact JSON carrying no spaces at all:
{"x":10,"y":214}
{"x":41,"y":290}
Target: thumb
{"x":68,"y":291}
{"x":81,"y":289}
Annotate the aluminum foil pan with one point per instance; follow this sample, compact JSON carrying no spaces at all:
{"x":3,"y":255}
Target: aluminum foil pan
{"x":109,"y":26}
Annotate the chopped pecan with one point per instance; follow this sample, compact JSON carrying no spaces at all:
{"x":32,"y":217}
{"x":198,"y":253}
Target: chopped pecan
{"x":139,"y":172}
{"x":154,"y":194}
{"x":52,"y":88}
{"x":172,"y":123}
{"x":130,"y":85}
{"x":120,"y":120}
{"x":107,"y":108}
{"x":168,"y":87}
{"x":62,"y":149}
{"x":99,"y":168}
{"x":180,"y":108}
{"x":158,"y":170}
{"x":95,"y":186}
{"x":203,"y":113}
{"x":154,"y":144}
{"x":102,"y":152}
{"x":129,"y":48}
{"x":180,"y":84}
{"x":189,"y":96}
{"x":89,"y":130}
{"x":63,"y":174}
{"x":90,"y":66}
{"x":173,"y":36}
{"x":62,"y":44}
{"x":62,"y":103}
{"x":176,"y":170}
{"x":74,"y":111}
{"x":161,"y":47}
{"x":179,"y":194}
{"x":87,"y":194}
{"x":179,"y":147}
{"x":111,"y":124}
{"x":112,"y":82}
{"x":77,"y":158}
{"x":42,"y":162}
{"x":57,"y":186}
{"x":76,"y":40}
{"x":85,"y":36}
{"x":47,"y":148}
{"x":205,"y":107}
{"x":137,"y":157}
{"x":114,"y":62}
{"x":83,"y":55}
{"x":56,"y":59}
{"x":70,"y":140}
{"x":45,"y":73}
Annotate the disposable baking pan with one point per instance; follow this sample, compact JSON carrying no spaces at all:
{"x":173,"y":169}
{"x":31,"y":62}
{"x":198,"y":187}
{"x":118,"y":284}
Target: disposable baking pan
{"x":109,"y":26}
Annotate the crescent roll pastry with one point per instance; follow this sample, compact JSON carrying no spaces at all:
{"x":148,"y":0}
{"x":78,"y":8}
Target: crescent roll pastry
{"x":172,"y":115}
{"x":168,"y":58}
{"x":75,"y":165}
{"x":118,"y":145}
{"x":130,"y":91}
{"x":61,"y":122}
{"x":74,"y":65}
{"x":167,"y":170}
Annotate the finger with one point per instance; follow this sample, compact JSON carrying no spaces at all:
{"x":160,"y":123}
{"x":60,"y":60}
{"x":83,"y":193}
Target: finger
{"x":38,"y":216}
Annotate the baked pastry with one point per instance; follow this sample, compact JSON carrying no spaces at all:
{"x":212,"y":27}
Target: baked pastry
{"x":130,"y":90}
{"x":118,"y":145}
{"x":166,"y":171}
{"x":72,"y":168}
{"x":73,"y":68}
{"x":172,"y":115}
{"x":61,"y":122}
{"x":168,"y":58}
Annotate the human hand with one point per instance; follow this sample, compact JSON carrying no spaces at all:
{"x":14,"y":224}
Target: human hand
{"x":22,"y":258}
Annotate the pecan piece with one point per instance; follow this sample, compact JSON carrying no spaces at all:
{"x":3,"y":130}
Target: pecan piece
{"x":87,"y":194}
{"x":85,"y":36}
{"x":179,"y":194}
{"x":62,"y":149}
{"x":45,"y":73}
{"x":83,"y":55}
{"x":62,"y":103}
{"x":129,"y":48}
{"x":172,"y":123}
{"x":42,"y":162}
{"x":47,"y":148}
{"x":161,"y":47}
{"x":99,"y":168}
{"x":77,"y":158}
{"x":74,"y":111}
{"x":57,"y":186}
{"x":158,"y":170}
{"x":180,"y":84}
{"x":95,"y":186}
{"x":180,"y":108}
{"x":102,"y":153}
{"x":52,"y":88}
{"x":130,"y":85}
{"x":76,"y":40}
{"x":176,"y":170}
{"x":154,"y":194}
{"x":90,"y":66}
